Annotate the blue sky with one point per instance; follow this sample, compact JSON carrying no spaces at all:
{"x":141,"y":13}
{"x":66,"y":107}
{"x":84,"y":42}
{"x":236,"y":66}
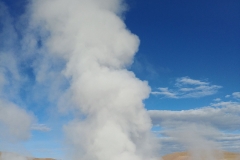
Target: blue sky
{"x":195,"y":39}
{"x":189,"y":54}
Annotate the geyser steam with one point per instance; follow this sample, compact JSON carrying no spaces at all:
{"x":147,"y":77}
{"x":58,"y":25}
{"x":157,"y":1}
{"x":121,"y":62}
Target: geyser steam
{"x":92,"y":38}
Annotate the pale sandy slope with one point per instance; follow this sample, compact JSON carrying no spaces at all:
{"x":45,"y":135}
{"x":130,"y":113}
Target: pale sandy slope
{"x":14,"y":156}
{"x":178,"y":156}
{"x":186,"y":156}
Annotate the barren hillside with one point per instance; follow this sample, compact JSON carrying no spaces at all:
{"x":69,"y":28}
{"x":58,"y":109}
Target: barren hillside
{"x":186,"y":156}
{"x":176,"y":156}
{"x":13,"y":156}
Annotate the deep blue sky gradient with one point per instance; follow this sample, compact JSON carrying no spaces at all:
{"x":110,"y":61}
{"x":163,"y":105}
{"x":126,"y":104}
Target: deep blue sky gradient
{"x":199,"y":39}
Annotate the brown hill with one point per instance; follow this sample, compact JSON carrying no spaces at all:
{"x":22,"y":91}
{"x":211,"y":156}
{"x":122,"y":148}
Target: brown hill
{"x":31,"y":158}
{"x":178,"y":156}
{"x":187,"y":156}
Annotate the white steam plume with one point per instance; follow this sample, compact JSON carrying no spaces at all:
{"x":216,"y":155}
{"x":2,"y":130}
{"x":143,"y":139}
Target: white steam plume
{"x":199,"y":139}
{"x":94,"y":41}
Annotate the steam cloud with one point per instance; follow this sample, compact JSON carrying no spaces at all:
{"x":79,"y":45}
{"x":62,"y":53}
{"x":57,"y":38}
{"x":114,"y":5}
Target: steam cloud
{"x":198,"y":139}
{"x":97,"y":47}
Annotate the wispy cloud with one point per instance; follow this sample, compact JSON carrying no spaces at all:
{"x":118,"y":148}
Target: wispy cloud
{"x":188,"y":81}
{"x":186,"y":87}
{"x":230,"y":141}
{"x":41,"y":127}
{"x":217,"y":99}
{"x":227,"y":96}
{"x":166,"y":92}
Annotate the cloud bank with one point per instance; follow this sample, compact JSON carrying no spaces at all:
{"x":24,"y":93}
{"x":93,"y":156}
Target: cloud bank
{"x":222,"y":115}
{"x":204,"y":129}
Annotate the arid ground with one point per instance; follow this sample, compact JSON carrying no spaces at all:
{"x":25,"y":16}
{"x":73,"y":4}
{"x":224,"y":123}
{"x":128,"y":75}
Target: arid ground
{"x":187,"y":156}
{"x":181,"y":156}
{"x":30,"y":158}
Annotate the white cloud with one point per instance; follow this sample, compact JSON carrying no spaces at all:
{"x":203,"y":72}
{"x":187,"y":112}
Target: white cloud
{"x":15,"y":122}
{"x":165,"y":92}
{"x":230,"y":141}
{"x":236,"y":95}
{"x":188,"y":129}
{"x":217,"y":99}
{"x":10,"y":78}
{"x":41,"y":127}
{"x":186,"y":87}
{"x":188,"y":81}
{"x":222,"y":115}
{"x":227,"y":96}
